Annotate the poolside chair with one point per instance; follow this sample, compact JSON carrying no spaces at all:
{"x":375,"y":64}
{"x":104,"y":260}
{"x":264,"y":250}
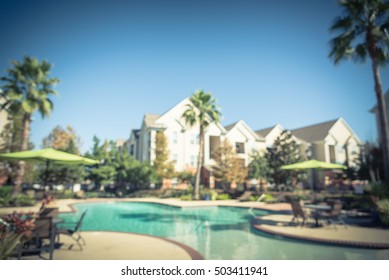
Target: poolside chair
{"x":42,"y":239}
{"x":49,"y":212}
{"x":333,"y":217}
{"x":298,"y":212}
{"x":245,"y":196}
{"x":73,"y":232}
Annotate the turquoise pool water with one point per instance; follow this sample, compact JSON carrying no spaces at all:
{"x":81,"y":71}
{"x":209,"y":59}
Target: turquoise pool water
{"x":215,"y":232}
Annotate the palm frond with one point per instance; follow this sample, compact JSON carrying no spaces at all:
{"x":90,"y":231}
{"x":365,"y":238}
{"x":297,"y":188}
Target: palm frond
{"x":382,"y":56}
{"x":342,"y":24}
{"x":341,"y":47}
{"x":28,"y":85}
{"x":361,"y":53}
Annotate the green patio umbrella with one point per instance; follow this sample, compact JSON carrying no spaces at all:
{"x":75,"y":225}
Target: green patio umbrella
{"x":312,"y":165}
{"x":49,"y":155}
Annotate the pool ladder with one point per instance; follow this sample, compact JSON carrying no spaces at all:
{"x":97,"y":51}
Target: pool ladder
{"x":262,"y":196}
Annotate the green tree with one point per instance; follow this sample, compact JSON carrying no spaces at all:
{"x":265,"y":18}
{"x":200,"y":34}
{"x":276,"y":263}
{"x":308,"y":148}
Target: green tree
{"x":363,"y":31}
{"x":229,"y":168}
{"x":27,"y":89}
{"x":65,"y":140}
{"x":285,"y":150}
{"x":202,"y":112}
{"x":258,"y":167}
{"x":105,"y":172}
{"x":118,"y":167}
{"x":163,"y":167}
{"x":369,"y":163}
{"x":140,"y":174}
{"x":185,"y":177}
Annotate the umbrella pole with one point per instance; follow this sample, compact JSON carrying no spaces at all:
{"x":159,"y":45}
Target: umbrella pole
{"x":46,"y":173}
{"x":312,"y":184}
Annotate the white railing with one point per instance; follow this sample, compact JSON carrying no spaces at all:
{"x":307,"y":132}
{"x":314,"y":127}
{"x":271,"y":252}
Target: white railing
{"x":262,"y":196}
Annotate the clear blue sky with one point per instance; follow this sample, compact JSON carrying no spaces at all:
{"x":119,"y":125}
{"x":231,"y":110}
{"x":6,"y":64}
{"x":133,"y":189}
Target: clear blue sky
{"x":266,"y":62}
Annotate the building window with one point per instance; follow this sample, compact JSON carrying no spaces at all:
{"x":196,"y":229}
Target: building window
{"x":175,"y":137}
{"x":195,"y":139}
{"x":193,"y":161}
{"x":239,"y":147}
{"x":132,"y":149}
{"x":175,"y":158}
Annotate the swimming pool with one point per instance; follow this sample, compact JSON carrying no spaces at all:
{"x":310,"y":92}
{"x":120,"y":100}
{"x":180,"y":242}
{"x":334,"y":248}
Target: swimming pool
{"x":215,"y":232}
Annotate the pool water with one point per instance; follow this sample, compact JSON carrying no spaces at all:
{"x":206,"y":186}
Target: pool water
{"x":215,"y":232}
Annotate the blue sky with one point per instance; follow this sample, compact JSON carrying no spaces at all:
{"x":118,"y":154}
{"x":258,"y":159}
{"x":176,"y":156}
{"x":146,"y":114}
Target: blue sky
{"x":266,"y":62}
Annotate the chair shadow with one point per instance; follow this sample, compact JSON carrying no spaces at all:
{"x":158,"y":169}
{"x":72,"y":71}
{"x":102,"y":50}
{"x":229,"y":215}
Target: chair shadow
{"x":278,"y":223}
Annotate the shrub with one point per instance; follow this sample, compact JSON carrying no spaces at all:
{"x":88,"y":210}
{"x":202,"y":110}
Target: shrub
{"x":92,"y":194}
{"x":223,"y":196}
{"x":66,"y":194}
{"x":268,"y":198}
{"x":379,"y":190}
{"x":383,"y":209}
{"x":186,"y":197}
{"x":6,"y":201}
{"x":23,"y":200}
{"x":6,"y":191}
{"x":212,"y":194}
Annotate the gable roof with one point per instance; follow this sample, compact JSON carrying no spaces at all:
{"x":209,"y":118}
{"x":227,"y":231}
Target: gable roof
{"x":135,"y":132}
{"x":150,"y":119}
{"x":230,"y":126}
{"x":241,"y":123}
{"x":314,"y":133}
{"x":264,"y":132}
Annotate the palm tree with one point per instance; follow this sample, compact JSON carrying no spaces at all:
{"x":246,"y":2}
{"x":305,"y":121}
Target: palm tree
{"x":363,"y":31}
{"x":27,"y":88}
{"x":203,"y":111}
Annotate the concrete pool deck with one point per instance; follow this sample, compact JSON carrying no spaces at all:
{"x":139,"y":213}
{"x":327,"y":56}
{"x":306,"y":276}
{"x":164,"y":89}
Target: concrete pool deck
{"x":102,"y":245}
{"x":350,"y":235}
{"x":128,"y":246}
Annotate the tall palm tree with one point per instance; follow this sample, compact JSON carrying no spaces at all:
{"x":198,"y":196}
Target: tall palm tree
{"x":203,"y":111}
{"x":27,"y":88}
{"x":363,"y":31}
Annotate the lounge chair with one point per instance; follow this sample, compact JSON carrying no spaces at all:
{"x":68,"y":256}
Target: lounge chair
{"x":73,"y":232}
{"x":245,"y":196}
{"x":42,"y":239}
